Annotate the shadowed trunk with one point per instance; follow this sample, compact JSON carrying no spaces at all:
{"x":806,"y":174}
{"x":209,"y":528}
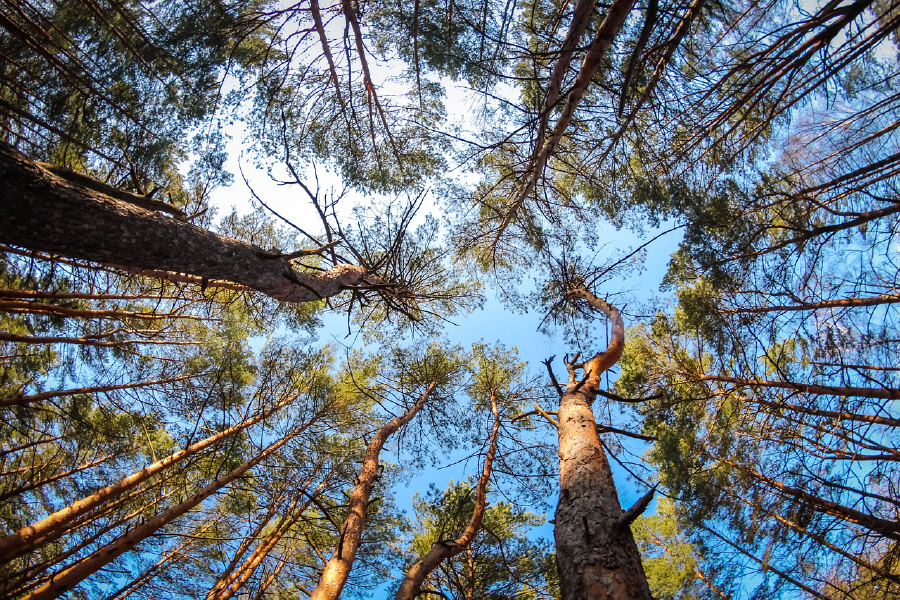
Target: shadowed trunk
{"x":50,"y":210}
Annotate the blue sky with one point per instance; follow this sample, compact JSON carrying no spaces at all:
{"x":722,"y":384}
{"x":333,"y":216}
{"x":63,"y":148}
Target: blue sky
{"x":492,"y":323}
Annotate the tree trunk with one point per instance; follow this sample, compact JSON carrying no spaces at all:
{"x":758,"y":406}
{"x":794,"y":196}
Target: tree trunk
{"x":596,"y":553}
{"x":885,"y":393}
{"x":229,"y":586}
{"x":68,"y":578}
{"x":442,"y":550}
{"x":77,"y":217}
{"x":337,"y":570}
{"x":601,"y":42}
{"x":25,"y":538}
{"x":22,"y":400}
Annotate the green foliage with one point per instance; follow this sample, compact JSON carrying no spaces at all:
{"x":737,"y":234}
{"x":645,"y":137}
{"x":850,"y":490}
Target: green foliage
{"x":669,"y":559}
{"x":501,"y":562}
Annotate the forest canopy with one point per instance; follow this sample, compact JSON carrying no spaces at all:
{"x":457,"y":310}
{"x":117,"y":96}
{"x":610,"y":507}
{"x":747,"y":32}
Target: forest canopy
{"x":173,"y":425}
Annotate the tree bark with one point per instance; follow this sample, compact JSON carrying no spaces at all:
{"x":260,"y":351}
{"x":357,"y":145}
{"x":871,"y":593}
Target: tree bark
{"x":412,"y":582}
{"x":66,"y":579}
{"x":337,"y":570}
{"x":23,"y":539}
{"x":809,"y":388}
{"x":597,"y":556}
{"x":22,"y":400}
{"x":45,"y":211}
{"x":601,"y":42}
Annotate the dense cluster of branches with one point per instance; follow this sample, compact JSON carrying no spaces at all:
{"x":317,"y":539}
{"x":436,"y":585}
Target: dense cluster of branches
{"x":171,"y":428}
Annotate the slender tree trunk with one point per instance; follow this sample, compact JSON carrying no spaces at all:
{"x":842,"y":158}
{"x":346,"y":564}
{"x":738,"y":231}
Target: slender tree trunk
{"x":809,"y":388}
{"x":887,"y":528}
{"x":823,"y":304}
{"x":31,"y":577}
{"x":246,"y":543}
{"x":44,"y":308}
{"x":161,"y":565}
{"x":92,"y":340}
{"x":829,"y":414}
{"x":23,"y":539}
{"x":73,"y":216}
{"x":442,"y":550}
{"x":236,"y":580}
{"x":337,"y":569}
{"x":581,"y":18}
{"x":50,"y":295}
{"x":21,"y":400}
{"x":609,"y":27}
{"x":764,"y":564}
{"x":596,"y":553}
{"x":33,"y":485}
{"x":822,"y":540}
{"x":67,"y":579}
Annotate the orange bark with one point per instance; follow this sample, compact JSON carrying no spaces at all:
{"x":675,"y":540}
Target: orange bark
{"x":337,"y":569}
{"x":412,"y":582}
{"x":67,"y":579}
{"x":23,"y":539}
{"x":597,"y":557}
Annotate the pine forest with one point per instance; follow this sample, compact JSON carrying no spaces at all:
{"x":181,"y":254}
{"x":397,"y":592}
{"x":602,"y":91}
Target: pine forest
{"x":246,"y":246}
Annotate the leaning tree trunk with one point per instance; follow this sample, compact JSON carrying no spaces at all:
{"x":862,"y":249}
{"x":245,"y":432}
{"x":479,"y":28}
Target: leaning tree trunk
{"x":595,"y":550}
{"x":337,"y":569}
{"x":68,"y":578}
{"x":442,"y":550}
{"x":52,"y":526}
{"x":49,"y":209}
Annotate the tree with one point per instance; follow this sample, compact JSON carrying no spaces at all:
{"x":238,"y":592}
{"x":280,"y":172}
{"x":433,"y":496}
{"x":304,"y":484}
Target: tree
{"x":595,"y":551}
{"x":78,"y":217}
{"x":499,"y":561}
{"x":672,"y":563}
{"x":765,"y":132}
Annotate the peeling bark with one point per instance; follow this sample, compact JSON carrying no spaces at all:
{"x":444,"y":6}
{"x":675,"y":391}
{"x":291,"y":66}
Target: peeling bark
{"x":46,"y":212}
{"x":596,"y":556}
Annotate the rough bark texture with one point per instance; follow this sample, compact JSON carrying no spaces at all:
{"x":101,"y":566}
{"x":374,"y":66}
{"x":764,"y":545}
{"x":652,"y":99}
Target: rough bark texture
{"x":596,"y":556}
{"x":337,"y":570}
{"x":47,"y":212}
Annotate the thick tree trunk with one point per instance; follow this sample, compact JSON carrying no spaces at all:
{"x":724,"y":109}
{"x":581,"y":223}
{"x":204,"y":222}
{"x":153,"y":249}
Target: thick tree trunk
{"x":49,"y":212}
{"x":596,"y":554}
{"x":337,"y":570}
